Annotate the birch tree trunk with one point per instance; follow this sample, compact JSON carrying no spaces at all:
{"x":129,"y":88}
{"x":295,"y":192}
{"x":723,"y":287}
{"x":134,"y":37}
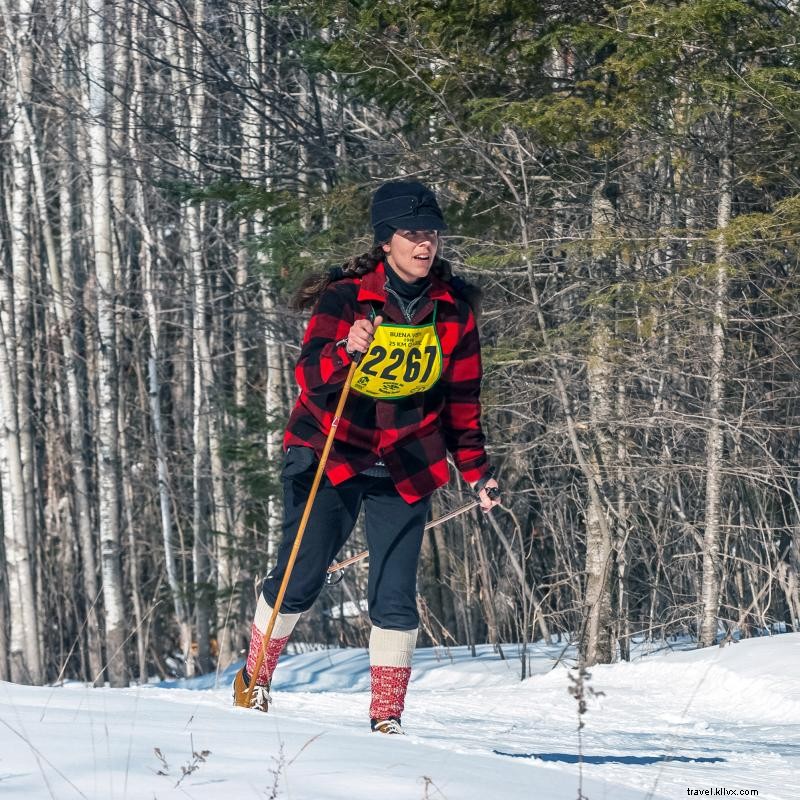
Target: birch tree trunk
{"x":24,"y":652}
{"x":278,"y":382}
{"x":5,"y":672}
{"x":256,"y":167}
{"x":712,"y":564}
{"x":252,"y":116}
{"x":107,"y":427}
{"x":22,"y":257}
{"x":599,"y":645}
{"x":15,"y":335}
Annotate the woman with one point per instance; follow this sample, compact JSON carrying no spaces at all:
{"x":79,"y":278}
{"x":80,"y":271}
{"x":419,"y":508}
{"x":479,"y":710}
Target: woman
{"x":414,"y":396}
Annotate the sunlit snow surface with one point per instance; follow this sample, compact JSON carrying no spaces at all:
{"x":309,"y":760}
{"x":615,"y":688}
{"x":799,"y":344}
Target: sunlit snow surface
{"x":669,"y":721}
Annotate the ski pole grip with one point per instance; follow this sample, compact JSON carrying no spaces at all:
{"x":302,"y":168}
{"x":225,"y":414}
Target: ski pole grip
{"x":481,"y":482}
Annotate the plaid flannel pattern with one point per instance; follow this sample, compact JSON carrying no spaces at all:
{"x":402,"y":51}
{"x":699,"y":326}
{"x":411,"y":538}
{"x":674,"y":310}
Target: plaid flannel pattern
{"x":411,"y":435}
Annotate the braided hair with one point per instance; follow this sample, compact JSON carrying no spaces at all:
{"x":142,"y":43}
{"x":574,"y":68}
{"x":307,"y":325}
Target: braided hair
{"x":313,"y":285}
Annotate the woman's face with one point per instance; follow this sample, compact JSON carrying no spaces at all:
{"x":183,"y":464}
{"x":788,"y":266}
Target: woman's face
{"x":410,"y":253}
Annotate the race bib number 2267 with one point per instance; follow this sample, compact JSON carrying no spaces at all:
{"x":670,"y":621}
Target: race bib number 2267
{"x":402,"y":360}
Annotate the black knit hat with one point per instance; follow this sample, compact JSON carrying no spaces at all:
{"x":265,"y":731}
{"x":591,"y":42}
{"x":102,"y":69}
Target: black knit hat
{"x":406,"y":205}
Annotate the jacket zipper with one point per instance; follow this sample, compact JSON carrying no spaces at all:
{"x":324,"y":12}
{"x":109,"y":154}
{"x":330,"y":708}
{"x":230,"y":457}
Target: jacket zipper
{"x":408,"y":310}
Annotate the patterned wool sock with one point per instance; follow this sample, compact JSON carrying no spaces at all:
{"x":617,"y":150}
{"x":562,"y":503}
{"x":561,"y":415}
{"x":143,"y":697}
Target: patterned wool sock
{"x":390,"y":656}
{"x":284,"y":625}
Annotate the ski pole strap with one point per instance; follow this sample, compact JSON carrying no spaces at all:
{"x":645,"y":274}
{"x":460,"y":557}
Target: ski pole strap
{"x":482,"y":481}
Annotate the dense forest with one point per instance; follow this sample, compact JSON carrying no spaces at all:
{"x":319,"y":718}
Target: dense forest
{"x":622,"y":181}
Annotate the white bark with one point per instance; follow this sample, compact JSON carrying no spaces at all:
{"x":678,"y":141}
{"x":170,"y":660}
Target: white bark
{"x":21,"y":250}
{"x":15,"y":390}
{"x":275,"y":407}
{"x":252,"y":116}
{"x":598,"y":644}
{"x":107,"y":428}
{"x":24,"y":652}
{"x":204,"y":384}
{"x":712,"y":563}
{"x":200,"y":546}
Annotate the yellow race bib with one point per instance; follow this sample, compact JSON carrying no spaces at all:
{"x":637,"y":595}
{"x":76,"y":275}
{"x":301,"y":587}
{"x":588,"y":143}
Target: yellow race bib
{"x":403,"y":360}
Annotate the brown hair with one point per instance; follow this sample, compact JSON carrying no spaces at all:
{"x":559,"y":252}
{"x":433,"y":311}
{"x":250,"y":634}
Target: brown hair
{"x":314,"y":284}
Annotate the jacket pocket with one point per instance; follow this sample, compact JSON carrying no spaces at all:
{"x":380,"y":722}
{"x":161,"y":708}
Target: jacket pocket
{"x":297,"y":460}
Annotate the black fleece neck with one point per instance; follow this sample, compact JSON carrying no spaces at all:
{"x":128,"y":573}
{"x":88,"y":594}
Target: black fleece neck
{"x":407,"y":291}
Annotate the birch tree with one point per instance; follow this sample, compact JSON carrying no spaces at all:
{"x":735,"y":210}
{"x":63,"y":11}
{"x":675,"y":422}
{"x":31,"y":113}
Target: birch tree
{"x":116,"y":619}
{"x":599,"y":644}
{"x":712,"y":562}
{"x":15,"y":463}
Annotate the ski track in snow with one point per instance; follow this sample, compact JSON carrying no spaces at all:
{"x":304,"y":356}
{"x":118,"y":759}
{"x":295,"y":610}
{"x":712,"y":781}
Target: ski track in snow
{"x":666,"y":722}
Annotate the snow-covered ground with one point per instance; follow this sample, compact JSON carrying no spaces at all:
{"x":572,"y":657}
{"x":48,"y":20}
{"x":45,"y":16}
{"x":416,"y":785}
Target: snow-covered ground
{"x":669,"y":722}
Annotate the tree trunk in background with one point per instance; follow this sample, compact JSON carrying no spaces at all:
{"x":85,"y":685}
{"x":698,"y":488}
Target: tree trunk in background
{"x":251,"y":166}
{"x":24,"y":653}
{"x":22,"y":258}
{"x":599,"y":645}
{"x":276,"y":408}
{"x":5,"y":673}
{"x":201,"y":547}
{"x":203,"y":543}
{"x":712,"y":563}
{"x":274,"y":356}
{"x":16,"y":476}
{"x":107,"y":428}
{"x":167,"y":535}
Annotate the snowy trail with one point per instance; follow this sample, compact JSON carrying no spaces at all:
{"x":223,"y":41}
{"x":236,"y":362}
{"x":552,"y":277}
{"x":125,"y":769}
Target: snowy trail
{"x":719,"y":718}
{"x":727,"y":718}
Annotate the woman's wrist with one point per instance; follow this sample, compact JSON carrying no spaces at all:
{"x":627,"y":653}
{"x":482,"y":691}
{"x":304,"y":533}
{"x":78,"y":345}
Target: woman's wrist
{"x":479,"y":485}
{"x":343,"y":344}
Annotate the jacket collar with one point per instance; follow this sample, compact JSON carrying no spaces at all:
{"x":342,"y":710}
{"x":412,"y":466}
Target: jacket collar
{"x":373,"y":283}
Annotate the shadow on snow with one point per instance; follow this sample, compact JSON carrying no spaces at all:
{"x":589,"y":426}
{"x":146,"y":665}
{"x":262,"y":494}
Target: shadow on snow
{"x":571,"y":758}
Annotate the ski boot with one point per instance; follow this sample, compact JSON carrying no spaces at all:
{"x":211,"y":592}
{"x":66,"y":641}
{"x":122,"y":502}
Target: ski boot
{"x":260,"y":699}
{"x":390,"y":725}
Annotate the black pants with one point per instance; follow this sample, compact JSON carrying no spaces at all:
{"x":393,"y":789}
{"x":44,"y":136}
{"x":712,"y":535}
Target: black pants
{"x":394,"y":536}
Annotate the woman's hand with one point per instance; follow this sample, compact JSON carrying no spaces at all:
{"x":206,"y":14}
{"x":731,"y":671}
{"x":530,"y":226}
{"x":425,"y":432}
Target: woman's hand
{"x":361,"y":335}
{"x":488,"y":503}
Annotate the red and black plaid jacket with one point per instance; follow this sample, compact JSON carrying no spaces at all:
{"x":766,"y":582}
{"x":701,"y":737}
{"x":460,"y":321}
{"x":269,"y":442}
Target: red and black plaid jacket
{"x":412,"y":434}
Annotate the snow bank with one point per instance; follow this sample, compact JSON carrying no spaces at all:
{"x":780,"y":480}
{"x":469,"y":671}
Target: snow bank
{"x":668,"y":722}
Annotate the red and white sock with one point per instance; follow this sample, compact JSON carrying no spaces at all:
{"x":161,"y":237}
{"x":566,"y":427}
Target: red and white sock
{"x":390,"y":656}
{"x":284,"y":625}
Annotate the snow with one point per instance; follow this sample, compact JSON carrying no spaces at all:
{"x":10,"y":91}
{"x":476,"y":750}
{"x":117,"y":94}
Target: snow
{"x":348,"y":609}
{"x":671,"y":721}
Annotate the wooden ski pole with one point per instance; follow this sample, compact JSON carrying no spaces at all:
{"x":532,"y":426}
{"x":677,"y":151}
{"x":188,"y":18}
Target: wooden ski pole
{"x":300,"y":531}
